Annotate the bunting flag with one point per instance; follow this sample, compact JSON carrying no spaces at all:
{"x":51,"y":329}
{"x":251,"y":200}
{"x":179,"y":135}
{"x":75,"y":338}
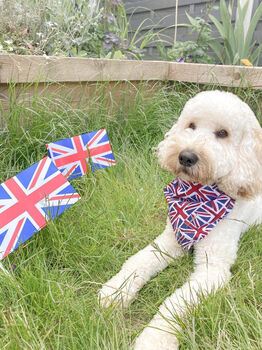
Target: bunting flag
{"x":30,"y":199}
{"x":195,"y":209}
{"x":75,"y":155}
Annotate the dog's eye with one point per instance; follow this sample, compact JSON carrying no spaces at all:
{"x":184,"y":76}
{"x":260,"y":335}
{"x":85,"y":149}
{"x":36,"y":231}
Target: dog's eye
{"x":222,"y":134}
{"x":192,"y":126}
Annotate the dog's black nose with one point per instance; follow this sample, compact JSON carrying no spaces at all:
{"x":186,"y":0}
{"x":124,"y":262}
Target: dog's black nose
{"x":187,"y":158}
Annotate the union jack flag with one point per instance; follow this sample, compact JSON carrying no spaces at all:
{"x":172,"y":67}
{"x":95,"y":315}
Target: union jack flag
{"x":195,"y":209}
{"x":28,"y":200}
{"x":75,"y":155}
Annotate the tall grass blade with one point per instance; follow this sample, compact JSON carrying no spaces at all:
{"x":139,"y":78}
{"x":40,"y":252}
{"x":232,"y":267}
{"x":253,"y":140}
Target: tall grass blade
{"x":252,"y":27}
{"x":219,"y":26}
{"x":227,"y":24}
{"x":218,"y":49}
{"x":239,"y":30}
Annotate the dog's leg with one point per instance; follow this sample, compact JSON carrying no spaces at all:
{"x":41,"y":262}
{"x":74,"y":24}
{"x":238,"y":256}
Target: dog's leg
{"x":213,"y":258}
{"x":140,"y":268}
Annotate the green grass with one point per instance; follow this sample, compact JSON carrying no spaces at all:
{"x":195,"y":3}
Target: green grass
{"x":51,"y":300}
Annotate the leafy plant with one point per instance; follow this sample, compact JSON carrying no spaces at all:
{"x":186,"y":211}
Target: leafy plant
{"x":51,"y":27}
{"x":116,"y":43}
{"x":236,"y":45}
{"x":94,"y":28}
{"x":119,"y":36}
{"x":195,"y":51}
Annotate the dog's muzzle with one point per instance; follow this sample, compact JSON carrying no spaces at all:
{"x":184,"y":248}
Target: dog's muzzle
{"x":187,"y":158}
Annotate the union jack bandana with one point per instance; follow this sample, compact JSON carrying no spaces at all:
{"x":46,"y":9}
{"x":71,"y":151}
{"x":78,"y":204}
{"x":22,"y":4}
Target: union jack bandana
{"x":195,"y":209}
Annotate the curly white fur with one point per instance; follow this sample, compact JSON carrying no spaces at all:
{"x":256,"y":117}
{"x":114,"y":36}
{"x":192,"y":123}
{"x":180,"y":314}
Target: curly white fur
{"x":234,"y":163}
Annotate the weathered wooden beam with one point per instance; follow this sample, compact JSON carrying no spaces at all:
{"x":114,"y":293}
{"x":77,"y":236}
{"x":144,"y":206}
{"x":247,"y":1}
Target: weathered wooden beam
{"x":27,"y":69}
{"x":221,"y":75}
{"x":24,"y":69}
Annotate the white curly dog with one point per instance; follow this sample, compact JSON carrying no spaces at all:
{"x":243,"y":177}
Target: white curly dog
{"x":223,"y":137}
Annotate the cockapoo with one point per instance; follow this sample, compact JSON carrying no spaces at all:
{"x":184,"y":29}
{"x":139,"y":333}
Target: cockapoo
{"x":217,"y":141}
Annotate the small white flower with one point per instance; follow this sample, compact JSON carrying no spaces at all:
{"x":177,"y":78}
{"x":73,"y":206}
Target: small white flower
{"x":8,"y":42}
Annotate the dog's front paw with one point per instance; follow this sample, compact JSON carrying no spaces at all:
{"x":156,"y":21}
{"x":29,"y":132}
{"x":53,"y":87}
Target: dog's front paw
{"x":120,"y":290}
{"x":158,"y":335}
{"x":155,"y":339}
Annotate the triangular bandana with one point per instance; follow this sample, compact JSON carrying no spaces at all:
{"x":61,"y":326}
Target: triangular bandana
{"x":195,"y":209}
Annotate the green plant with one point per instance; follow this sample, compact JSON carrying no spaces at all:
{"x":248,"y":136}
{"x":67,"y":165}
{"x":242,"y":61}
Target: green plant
{"x":235,"y":44}
{"x":121,"y":39}
{"x":51,"y":27}
{"x":66,"y":28}
{"x":195,"y":51}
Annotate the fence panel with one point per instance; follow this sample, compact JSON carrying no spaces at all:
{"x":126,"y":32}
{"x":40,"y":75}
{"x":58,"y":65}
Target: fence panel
{"x":161,"y":15}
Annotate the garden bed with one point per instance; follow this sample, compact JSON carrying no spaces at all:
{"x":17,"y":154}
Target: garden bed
{"x":78,"y":76}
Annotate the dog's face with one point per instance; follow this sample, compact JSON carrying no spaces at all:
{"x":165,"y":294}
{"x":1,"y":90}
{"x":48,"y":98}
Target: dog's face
{"x":216,"y":139}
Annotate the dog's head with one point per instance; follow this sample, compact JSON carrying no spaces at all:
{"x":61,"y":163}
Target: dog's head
{"x":216,"y":139}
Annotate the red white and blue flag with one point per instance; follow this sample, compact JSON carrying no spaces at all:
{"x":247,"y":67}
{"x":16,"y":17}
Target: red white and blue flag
{"x":28,"y":200}
{"x":75,"y":155}
{"x":195,"y":209}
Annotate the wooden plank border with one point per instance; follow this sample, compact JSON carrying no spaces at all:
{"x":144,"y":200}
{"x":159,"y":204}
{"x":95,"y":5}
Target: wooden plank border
{"x":24,"y":69}
{"x":30,"y":69}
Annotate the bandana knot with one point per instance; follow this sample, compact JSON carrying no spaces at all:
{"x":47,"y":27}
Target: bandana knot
{"x":195,"y":209}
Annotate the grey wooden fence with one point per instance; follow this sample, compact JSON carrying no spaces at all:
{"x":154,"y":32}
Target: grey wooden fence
{"x":160,"y":15}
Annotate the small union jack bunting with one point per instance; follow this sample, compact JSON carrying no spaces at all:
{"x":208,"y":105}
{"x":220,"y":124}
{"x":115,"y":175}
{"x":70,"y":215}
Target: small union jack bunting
{"x":28,"y":200}
{"x":75,"y":155}
{"x":195,"y":209}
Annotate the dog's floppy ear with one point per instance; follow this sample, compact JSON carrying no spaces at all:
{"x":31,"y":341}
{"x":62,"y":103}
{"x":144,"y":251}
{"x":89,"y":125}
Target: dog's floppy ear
{"x":257,"y":135}
{"x":256,"y":174}
{"x":251,"y":165}
{"x":245,"y":179}
{"x":162,"y":150}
